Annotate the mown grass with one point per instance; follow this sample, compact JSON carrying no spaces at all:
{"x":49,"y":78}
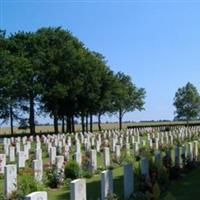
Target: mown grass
{"x":186,"y":188}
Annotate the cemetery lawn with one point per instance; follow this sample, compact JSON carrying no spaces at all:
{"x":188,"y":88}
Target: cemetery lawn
{"x":93,"y":187}
{"x":186,"y":188}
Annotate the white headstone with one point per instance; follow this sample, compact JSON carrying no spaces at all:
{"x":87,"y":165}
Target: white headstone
{"x":11,"y":154}
{"x":106,"y":156}
{"x":78,"y":189}
{"x":106,"y":184}
{"x":10,"y":180}
{"x":52,"y":155}
{"x":38,"y":170}
{"x":2,"y":163}
{"x":37,"y":196}
{"x":128,"y":181}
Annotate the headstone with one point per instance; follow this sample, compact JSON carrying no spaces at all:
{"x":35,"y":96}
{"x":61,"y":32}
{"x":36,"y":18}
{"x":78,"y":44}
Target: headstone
{"x":78,"y":158}
{"x":93,"y":160}
{"x":128,"y":149}
{"x":37,"y":196}
{"x":177,"y":156}
{"x":144,"y":166}
{"x":11,"y":154}
{"x":38,"y":170}
{"x":21,"y":159}
{"x":59,"y":163}
{"x":128,"y":181}
{"x":52,"y":155}
{"x":2,"y":163}
{"x":38,"y":154}
{"x":158,"y":160}
{"x":78,"y":189}
{"x":26,"y":151}
{"x":10,"y":180}
{"x":106,"y":154}
{"x":18,"y":147}
{"x":117,"y":152}
{"x":106,"y":184}
{"x":196,"y":150}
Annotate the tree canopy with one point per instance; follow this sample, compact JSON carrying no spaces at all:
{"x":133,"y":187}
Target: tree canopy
{"x":187,"y":102}
{"x":53,"y":69}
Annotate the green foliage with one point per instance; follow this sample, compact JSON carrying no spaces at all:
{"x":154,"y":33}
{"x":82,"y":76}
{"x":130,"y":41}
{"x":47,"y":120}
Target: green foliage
{"x":26,"y":185}
{"x":53,"y":69}
{"x":72,"y":170}
{"x":155,"y":193}
{"x":127,"y":96}
{"x":138,"y":196}
{"x":163,"y":179}
{"x":112,"y":196}
{"x":53,"y":177}
{"x":86,"y":173}
{"x":187,"y":102}
{"x":2,"y":196}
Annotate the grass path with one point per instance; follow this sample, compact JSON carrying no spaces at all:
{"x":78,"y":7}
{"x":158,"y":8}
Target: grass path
{"x":186,"y":188}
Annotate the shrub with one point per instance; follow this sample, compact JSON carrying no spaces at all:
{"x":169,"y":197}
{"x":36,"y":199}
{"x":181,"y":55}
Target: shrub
{"x":72,"y":170}
{"x":112,"y":196}
{"x":138,"y":196}
{"x":154,"y":193}
{"x":87,"y":174}
{"x":163,"y":179}
{"x":26,"y":185}
{"x":53,"y":177}
{"x":2,"y":197}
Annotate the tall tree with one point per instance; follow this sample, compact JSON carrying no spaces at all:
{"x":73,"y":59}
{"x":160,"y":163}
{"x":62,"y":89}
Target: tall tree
{"x":8,"y":89}
{"x":187,"y":102}
{"x":25,"y":46}
{"x":128,"y":96}
{"x":60,"y":70}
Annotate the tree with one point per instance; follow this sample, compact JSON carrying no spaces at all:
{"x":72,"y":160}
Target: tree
{"x":127,"y":96}
{"x":9,"y":105}
{"x":187,"y":102}
{"x":24,"y":45}
{"x":61,"y":57}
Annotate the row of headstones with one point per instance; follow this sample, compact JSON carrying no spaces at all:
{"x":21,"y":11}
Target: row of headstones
{"x":22,"y":156}
{"x":78,"y":186}
{"x":58,"y":160}
{"x":10,"y":183}
{"x":89,"y":140}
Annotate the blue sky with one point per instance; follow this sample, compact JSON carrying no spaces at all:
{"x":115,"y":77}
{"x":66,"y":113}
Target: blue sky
{"x":156,"y":42}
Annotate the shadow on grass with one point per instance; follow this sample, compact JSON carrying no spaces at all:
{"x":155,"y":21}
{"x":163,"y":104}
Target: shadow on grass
{"x":65,"y":195}
{"x":94,"y":188}
{"x":186,"y":188}
{"x":119,"y":186}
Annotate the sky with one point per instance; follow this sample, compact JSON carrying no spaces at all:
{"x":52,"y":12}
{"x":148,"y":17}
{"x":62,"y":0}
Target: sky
{"x":157,"y":43}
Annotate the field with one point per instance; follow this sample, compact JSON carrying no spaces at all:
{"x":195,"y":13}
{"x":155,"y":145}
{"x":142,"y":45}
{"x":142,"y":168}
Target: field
{"x":105,"y":126}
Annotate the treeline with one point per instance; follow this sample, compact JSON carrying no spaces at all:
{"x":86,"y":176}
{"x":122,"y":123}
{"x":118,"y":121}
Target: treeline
{"x":52,"y":70}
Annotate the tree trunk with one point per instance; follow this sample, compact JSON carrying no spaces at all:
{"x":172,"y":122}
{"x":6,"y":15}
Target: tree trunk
{"x":63,"y":124}
{"x":68,"y":124}
{"x":73,"y":125}
{"x":99,"y":121}
{"x":91,"y":123}
{"x":120,"y":119}
{"x":82,"y":123}
{"x":86,"y":122}
{"x":55,"y":122}
{"x":11,"y":120}
{"x":32,"y":115}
